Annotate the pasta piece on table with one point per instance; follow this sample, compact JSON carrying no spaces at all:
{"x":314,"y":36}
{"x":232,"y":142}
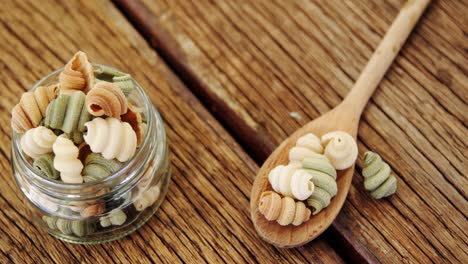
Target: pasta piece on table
{"x":378,"y":177}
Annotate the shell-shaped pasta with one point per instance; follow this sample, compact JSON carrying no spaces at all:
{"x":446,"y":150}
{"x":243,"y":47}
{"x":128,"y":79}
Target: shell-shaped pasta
{"x":19,"y":120}
{"x":324,"y":179}
{"x":133,"y":117}
{"x":378,"y":178}
{"x":284,"y":211}
{"x":82,"y":228}
{"x":93,"y":207}
{"x":77,"y":206}
{"x":280,"y":177}
{"x":145,"y":181}
{"x":106,"y":99}
{"x":100,"y":70}
{"x":93,"y":210}
{"x":307,"y":145}
{"x":112,"y":138}
{"x":64,"y":226}
{"x":77,"y":74}
{"x":44,"y":166}
{"x":37,"y":141}
{"x":44,"y":95}
{"x":319,"y":163}
{"x":147,"y":198}
{"x":105,"y":221}
{"x":42,"y":201}
{"x":301,"y":215}
{"x":68,"y":113}
{"x":125,"y":83}
{"x":96,"y":167}
{"x":319,"y":200}
{"x":66,"y":160}
{"x":78,"y":228}
{"x":32,"y":108}
{"x":340,"y":148}
{"x":291,"y":181}
{"x":51,"y":222}
{"x":115,"y":217}
{"x":301,"y":185}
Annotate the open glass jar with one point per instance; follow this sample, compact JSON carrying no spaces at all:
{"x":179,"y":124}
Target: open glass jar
{"x":106,"y":209}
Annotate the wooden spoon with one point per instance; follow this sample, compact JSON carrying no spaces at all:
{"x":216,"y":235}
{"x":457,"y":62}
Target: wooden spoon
{"x":344,"y":117}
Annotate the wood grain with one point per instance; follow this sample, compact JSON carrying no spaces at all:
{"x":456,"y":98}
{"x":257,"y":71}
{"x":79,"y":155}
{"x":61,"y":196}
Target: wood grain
{"x":205,"y":217}
{"x":272,"y":66}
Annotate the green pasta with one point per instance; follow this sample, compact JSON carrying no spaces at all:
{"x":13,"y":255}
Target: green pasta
{"x":44,"y":166}
{"x":76,"y":137}
{"x":105,"y":221}
{"x":78,"y":228}
{"x":82,"y":228}
{"x":96,"y":167}
{"x":102,"y":71}
{"x":325,"y":182}
{"x":319,"y":200}
{"x":324,"y":179}
{"x":123,"y":80}
{"x":319,"y":163}
{"x":68,"y":113}
{"x":55,"y":112}
{"x":64,"y":226}
{"x":115,"y":217}
{"x":125,"y":83}
{"x":50,"y":221}
{"x":72,"y":115}
{"x":378,"y":176}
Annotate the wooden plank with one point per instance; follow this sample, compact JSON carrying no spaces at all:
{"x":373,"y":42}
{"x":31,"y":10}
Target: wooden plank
{"x":271,"y":66}
{"x":205,"y":217}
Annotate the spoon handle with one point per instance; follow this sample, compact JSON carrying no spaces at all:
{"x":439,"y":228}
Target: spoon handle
{"x":384,"y":55}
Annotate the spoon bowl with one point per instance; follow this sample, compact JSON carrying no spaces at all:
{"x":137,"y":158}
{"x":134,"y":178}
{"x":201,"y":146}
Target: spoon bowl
{"x":292,"y":236}
{"x":345,"y":117}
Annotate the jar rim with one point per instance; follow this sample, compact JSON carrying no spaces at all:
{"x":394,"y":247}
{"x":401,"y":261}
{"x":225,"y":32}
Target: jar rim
{"x":150,"y":109}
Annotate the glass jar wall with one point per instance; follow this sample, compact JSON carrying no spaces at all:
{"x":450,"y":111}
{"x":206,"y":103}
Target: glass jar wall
{"x":106,"y":209}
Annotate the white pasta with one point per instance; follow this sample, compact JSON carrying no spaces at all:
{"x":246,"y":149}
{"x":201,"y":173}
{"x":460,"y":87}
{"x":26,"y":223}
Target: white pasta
{"x":301,"y":185}
{"x":306,"y":146}
{"x":115,"y":217}
{"x":340,"y":148}
{"x":145,"y":181}
{"x":66,"y":160}
{"x":147,"y":198}
{"x":310,"y":141}
{"x":37,"y":141}
{"x":42,"y":201}
{"x":112,"y":138}
{"x":291,"y":181}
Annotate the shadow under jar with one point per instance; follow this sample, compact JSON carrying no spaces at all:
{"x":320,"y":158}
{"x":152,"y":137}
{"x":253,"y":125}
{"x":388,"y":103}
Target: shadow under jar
{"x":57,"y":206}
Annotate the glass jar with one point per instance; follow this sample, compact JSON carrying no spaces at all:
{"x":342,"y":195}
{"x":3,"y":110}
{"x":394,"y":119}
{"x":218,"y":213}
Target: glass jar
{"x":107,"y":209}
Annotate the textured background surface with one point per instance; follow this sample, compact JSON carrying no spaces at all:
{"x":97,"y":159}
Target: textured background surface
{"x":231,"y":80}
